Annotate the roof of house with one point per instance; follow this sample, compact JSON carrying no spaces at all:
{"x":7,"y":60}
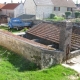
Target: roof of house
{"x":26,"y":17}
{"x":1,"y":5}
{"x":10,"y":6}
{"x":60,"y":3}
{"x":46,"y":31}
{"x":64,"y":3}
{"x":43,"y":2}
{"x":78,"y":5}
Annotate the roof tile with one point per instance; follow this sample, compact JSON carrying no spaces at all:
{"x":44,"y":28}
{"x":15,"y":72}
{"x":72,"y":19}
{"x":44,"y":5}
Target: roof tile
{"x":10,"y":6}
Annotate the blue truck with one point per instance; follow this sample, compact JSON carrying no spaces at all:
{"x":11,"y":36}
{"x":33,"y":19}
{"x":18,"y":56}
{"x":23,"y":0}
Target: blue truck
{"x":18,"y":23}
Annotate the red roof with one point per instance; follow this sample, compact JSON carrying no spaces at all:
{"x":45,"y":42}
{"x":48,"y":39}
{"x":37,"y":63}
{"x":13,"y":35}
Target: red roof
{"x":10,"y":6}
{"x":46,"y":31}
{"x":1,"y":5}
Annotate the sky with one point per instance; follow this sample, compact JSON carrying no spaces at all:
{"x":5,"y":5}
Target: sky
{"x":16,"y":1}
{"x":76,"y":1}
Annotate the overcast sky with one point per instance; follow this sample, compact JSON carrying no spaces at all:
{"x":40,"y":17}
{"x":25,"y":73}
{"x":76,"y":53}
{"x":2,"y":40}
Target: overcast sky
{"x":15,"y":1}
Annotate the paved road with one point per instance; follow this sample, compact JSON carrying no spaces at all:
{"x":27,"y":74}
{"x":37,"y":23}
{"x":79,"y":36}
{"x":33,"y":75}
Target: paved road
{"x":73,"y":63}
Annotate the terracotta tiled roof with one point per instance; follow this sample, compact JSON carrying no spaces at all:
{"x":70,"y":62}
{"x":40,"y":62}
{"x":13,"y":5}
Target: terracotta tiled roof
{"x":43,"y":2}
{"x":46,"y":31}
{"x":1,"y":5}
{"x":10,"y":6}
{"x":59,"y":3}
{"x":63,"y":3}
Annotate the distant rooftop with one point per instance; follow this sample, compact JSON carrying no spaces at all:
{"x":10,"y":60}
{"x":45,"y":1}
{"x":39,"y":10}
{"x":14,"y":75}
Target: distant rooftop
{"x":1,"y":5}
{"x":10,"y":6}
{"x":63,"y":3}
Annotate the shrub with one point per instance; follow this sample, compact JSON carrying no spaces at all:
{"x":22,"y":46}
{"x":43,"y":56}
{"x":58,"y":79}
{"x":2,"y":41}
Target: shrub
{"x":77,"y":20}
{"x":58,"y":18}
{"x":52,"y":16}
{"x":77,"y":14}
{"x":68,"y":13}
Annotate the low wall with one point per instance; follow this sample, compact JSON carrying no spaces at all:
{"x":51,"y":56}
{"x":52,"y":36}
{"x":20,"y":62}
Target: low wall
{"x":74,"y":53}
{"x":32,"y":51}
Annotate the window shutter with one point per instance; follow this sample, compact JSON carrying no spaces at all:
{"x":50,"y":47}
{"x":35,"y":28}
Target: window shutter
{"x":54,"y":8}
{"x":71,"y":9}
{"x":59,"y":8}
{"x":67,"y":8}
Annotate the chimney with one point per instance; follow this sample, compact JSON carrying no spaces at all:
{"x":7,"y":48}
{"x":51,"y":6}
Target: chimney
{"x":4,"y":2}
{"x":21,"y":1}
{"x":11,"y":1}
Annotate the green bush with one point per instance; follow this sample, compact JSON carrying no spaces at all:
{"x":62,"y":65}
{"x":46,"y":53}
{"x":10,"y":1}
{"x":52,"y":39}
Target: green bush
{"x":68,"y":13}
{"x":58,"y":18}
{"x":52,"y":16}
{"x":77,"y":14}
{"x":77,"y":20}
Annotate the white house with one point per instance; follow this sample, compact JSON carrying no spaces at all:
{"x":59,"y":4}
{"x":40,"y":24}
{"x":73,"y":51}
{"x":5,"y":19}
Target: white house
{"x":1,"y":5}
{"x":13,"y":9}
{"x":43,"y":8}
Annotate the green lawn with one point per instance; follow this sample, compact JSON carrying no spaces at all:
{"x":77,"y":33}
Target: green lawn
{"x":15,"y":67}
{"x":13,"y":30}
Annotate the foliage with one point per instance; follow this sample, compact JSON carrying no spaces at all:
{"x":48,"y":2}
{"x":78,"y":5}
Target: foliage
{"x":14,"y":29}
{"x":77,"y":14}
{"x":15,"y":67}
{"x":77,"y":20}
{"x":56,"y":18}
{"x":68,"y":13}
{"x":52,"y":16}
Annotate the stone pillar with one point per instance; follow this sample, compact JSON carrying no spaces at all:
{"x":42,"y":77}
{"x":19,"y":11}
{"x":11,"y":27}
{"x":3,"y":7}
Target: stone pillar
{"x":65,"y":35}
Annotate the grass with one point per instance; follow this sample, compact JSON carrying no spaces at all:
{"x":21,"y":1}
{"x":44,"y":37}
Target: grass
{"x":15,"y":67}
{"x":13,"y":30}
{"x":56,"y":18}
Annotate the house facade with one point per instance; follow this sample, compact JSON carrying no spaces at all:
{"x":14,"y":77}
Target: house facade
{"x":1,"y":5}
{"x":43,"y":8}
{"x":13,"y":9}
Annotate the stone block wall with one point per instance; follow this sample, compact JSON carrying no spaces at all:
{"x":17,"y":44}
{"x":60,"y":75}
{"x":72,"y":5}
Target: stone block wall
{"x":32,"y":51}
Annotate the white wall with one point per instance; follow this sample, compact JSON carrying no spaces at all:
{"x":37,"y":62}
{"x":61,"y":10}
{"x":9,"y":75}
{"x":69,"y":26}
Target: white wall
{"x":0,"y":12}
{"x":18,"y":10}
{"x":61,"y":12}
{"x":43,"y":11}
{"x":8,"y":12}
{"x":29,"y":7}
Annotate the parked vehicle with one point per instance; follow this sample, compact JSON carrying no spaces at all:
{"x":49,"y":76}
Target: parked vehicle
{"x":18,"y":23}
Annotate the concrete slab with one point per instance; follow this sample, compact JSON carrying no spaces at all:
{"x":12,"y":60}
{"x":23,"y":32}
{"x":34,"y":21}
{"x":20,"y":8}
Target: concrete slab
{"x":5,"y":24}
{"x":73,"y":63}
{"x":19,"y":33}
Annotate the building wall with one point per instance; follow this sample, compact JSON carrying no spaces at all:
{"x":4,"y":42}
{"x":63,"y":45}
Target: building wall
{"x":0,"y":12}
{"x":31,"y":50}
{"x":29,"y":7}
{"x":18,"y":10}
{"x":43,"y":11}
{"x":61,"y":12}
{"x":8,"y":12}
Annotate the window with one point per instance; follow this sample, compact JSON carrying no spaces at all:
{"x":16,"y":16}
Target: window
{"x":69,"y":9}
{"x":56,"y":8}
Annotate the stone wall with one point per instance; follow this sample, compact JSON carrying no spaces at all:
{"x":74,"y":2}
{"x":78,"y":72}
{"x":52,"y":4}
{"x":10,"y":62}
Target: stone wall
{"x":39,"y":53}
{"x":32,"y":51}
